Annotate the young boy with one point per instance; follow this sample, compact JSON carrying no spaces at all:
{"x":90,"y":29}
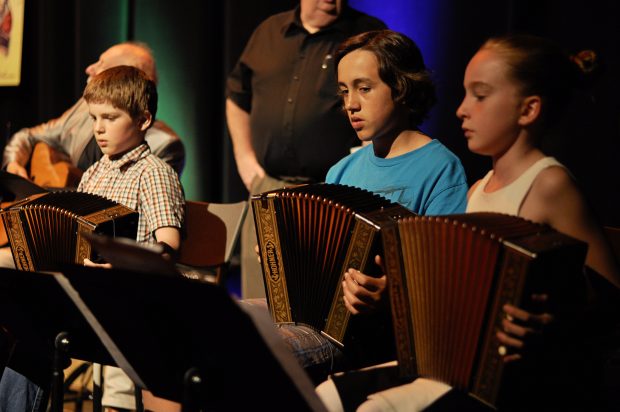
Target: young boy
{"x":122,"y":103}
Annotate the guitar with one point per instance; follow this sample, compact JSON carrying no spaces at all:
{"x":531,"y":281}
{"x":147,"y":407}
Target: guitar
{"x":49,"y":168}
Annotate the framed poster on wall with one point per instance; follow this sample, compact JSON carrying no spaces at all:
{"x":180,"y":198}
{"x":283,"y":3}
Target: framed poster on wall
{"x":11,"y":38}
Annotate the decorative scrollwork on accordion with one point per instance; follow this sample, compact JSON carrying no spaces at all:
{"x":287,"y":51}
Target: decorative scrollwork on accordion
{"x":48,"y":230}
{"x":308,"y":237}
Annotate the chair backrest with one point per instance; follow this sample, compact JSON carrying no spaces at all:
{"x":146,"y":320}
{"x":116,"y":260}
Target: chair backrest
{"x":212,"y":230}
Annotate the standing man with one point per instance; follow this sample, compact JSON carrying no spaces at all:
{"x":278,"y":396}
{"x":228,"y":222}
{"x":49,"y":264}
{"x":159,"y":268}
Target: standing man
{"x":283,"y":111}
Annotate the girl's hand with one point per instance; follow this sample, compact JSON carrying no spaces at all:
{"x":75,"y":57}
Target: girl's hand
{"x":520,"y":327}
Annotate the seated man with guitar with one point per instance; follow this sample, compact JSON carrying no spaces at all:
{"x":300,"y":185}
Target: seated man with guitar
{"x":72,"y":133}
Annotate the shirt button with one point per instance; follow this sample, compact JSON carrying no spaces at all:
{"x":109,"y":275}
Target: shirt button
{"x":295,"y":77}
{"x":289,"y":100}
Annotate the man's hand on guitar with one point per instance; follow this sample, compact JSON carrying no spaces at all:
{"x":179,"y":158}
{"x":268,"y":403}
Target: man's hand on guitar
{"x":363,"y":293}
{"x":17,"y":169}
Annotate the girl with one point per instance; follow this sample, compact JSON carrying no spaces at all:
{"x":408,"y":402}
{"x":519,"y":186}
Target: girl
{"x":515,"y":89}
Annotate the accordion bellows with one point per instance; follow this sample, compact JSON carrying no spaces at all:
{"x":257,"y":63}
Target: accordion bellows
{"x":308,"y":237}
{"x":449,"y":277}
{"x":48,"y":230}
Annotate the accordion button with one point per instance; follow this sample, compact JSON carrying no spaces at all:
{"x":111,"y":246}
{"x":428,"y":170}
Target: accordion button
{"x":502,"y":350}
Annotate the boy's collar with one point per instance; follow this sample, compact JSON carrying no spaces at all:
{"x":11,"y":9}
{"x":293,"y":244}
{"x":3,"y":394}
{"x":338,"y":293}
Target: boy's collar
{"x":131,"y":156}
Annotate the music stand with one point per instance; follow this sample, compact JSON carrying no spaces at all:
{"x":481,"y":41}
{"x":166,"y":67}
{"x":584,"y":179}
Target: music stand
{"x":189,"y":342}
{"x":7,"y":344}
{"x":127,"y":254}
{"x":16,"y":187}
{"x":47,"y":329}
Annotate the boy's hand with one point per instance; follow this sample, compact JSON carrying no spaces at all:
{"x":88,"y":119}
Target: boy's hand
{"x":363,"y":293}
{"x":519,"y":327}
{"x":91,"y":264}
{"x":153,"y":403}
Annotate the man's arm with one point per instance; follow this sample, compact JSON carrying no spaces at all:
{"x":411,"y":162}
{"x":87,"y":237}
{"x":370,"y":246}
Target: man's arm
{"x":239,"y":128}
{"x":19,"y":148}
{"x":18,"y":151}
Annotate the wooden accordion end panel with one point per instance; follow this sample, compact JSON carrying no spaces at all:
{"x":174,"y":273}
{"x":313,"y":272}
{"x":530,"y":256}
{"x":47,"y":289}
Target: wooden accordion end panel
{"x":48,"y":230}
{"x":449,"y":277}
{"x":308,"y":237}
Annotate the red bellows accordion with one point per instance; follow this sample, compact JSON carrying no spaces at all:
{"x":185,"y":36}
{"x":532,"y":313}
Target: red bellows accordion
{"x":308,"y":237}
{"x":449,"y":277}
{"x":48,"y":230}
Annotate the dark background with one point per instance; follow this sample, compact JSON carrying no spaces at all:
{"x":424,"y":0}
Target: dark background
{"x":197,"y":43}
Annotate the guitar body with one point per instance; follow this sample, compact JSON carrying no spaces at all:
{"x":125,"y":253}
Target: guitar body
{"x":48,"y":168}
{"x":51,"y":168}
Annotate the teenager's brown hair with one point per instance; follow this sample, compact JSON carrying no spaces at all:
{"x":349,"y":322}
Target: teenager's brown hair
{"x":401,"y":67}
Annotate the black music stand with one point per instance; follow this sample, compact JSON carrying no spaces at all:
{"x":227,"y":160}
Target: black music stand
{"x":189,"y":342}
{"x":126,"y":254}
{"x":7,"y":343}
{"x":14,"y":187}
{"x":47,"y":329}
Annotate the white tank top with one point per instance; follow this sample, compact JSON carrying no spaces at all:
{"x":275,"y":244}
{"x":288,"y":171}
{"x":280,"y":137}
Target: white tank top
{"x":508,"y":199}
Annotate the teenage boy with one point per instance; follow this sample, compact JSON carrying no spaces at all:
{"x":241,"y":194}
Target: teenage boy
{"x":386,"y":93}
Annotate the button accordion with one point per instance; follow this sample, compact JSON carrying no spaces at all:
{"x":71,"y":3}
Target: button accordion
{"x":48,"y":230}
{"x":449,"y":277}
{"x":308,"y":237}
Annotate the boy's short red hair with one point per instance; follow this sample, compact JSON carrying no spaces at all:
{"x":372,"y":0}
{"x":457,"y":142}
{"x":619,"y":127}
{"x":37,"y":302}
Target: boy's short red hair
{"x":126,"y":88}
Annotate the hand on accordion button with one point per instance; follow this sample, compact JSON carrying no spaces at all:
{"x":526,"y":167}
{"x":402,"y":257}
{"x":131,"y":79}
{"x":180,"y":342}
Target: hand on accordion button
{"x":363,"y":293}
{"x":521,"y":329}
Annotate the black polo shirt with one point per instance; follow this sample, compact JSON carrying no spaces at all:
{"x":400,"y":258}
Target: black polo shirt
{"x":286,"y":80}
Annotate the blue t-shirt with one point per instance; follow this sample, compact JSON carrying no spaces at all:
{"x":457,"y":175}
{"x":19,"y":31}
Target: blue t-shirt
{"x":428,"y":181}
